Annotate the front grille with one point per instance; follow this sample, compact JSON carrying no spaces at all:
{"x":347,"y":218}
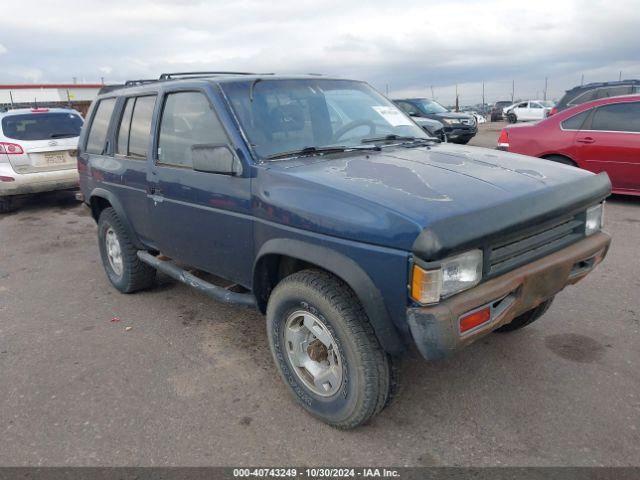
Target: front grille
{"x":532,"y":245}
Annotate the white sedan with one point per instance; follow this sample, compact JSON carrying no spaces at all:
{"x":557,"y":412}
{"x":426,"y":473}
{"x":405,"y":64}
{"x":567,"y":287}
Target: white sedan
{"x":528,"y":110}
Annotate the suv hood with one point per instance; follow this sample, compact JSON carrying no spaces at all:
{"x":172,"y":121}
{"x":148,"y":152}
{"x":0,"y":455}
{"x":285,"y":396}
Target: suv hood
{"x":388,"y":198}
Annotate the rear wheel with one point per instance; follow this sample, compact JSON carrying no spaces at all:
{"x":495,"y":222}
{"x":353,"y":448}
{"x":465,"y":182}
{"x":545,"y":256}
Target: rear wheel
{"x":326,"y":350}
{"x":526,"y":318}
{"x":119,"y":256}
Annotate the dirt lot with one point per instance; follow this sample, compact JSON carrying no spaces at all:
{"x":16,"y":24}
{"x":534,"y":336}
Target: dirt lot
{"x":192,"y":383}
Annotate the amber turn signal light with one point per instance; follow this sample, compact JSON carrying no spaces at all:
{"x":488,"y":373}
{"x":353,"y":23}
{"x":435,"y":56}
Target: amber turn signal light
{"x":473,"y":319}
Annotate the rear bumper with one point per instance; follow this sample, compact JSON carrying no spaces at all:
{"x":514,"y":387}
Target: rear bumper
{"x":26,"y":183}
{"x":435,"y":329}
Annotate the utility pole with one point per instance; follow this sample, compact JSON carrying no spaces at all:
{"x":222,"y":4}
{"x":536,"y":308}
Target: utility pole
{"x":513,"y":90}
{"x":433,"y":97}
{"x":582,"y":80}
{"x":457,"y":104}
{"x":102,"y":80}
{"x":75,"y":79}
{"x":483,"y":96}
{"x":620,"y":76}
{"x":545,"y":88}
{"x":387,"y":89}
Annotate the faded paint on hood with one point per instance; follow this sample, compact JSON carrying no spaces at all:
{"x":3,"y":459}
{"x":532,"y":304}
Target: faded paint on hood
{"x":388,"y":197}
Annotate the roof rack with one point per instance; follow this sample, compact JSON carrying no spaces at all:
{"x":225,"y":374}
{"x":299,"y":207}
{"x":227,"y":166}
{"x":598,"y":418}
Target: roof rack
{"x":171,"y":76}
{"x":142,"y":81}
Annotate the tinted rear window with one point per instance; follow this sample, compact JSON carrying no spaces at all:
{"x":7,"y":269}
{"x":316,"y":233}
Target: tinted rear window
{"x":575,"y":122}
{"x":41,"y":126}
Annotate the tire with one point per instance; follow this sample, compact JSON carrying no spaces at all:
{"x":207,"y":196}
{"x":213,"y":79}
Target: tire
{"x":6,"y":205}
{"x":526,"y":318}
{"x":561,"y":159}
{"x":132,"y":274}
{"x":511,"y":117}
{"x":463,"y":141}
{"x":363,"y":377}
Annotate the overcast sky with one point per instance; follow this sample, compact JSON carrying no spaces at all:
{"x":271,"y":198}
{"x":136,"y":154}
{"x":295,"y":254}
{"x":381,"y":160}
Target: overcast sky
{"x":407,"y":45}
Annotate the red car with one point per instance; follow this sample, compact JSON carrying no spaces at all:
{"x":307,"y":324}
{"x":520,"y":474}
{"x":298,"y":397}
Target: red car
{"x":599,"y":136}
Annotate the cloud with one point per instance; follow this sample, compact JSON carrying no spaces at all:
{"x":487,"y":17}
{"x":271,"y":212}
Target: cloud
{"x":3,"y":49}
{"x":407,"y":45}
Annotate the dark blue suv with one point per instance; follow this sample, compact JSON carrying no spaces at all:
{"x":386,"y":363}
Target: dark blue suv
{"x":327,"y":208}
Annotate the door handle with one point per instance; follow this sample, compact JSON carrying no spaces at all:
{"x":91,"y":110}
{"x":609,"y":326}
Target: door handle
{"x":586,"y":140}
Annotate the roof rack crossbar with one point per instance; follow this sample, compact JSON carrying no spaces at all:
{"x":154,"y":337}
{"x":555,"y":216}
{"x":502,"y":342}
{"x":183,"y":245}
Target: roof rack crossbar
{"x":169,"y":76}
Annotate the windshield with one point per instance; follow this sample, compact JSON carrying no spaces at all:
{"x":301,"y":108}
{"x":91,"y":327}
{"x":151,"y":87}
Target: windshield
{"x":41,"y":126}
{"x":280,"y":116}
{"x":430,"y":106}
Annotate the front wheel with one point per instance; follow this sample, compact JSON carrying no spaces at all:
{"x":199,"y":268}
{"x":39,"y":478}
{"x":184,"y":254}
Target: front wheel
{"x":326,"y":350}
{"x":511,"y":117}
{"x":6,"y":204}
{"x":526,"y":318}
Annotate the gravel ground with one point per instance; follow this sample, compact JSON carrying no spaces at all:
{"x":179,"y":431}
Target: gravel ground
{"x":192,"y":382}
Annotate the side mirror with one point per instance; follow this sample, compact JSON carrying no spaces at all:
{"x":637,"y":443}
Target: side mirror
{"x":215,"y":159}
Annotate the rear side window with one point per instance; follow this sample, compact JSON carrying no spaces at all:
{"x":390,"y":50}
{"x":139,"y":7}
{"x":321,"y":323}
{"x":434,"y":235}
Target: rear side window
{"x":140,"y":129}
{"x":575,"y":122}
{"x":618,"y":117}
{"x":187,"y":119}
{"x":122,"y":145}
{"x":41,"y":126}
{"x":99,"y":126}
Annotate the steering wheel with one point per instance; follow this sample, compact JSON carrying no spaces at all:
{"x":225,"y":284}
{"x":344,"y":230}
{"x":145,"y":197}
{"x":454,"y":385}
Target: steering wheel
{"x":353,"y":125}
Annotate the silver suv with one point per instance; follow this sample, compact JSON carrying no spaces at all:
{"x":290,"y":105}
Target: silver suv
{"x":38,"y":150}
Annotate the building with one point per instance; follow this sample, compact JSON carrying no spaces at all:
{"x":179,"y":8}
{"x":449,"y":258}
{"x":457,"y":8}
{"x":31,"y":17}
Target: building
{"x":72,"y":95}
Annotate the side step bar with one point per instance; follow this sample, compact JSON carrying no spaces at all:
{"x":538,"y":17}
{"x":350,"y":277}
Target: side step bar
{"x":214,"y":291}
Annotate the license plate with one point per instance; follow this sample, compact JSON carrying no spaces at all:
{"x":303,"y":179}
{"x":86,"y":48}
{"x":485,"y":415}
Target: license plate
{"x":54,"y":158}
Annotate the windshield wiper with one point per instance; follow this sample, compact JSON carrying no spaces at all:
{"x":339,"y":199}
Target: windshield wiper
{"x":306,"y":151}
{"x":310,"y":151}
{"x":388,"y":138}
{"x":397,"y":138}
{"x":60,"y":135}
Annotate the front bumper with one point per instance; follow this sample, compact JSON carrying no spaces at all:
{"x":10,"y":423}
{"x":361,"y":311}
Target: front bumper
{"x":26,"y":183}
{"x":435,"y":329}
{"x":460,"y":132}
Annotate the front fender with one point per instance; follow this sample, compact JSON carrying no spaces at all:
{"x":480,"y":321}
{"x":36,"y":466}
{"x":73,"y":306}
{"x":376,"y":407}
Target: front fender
{"x":351,"y":273}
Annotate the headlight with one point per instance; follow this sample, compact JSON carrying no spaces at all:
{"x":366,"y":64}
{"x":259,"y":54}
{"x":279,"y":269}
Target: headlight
{"x":593,"y":221}
{"x":451,"y":121}
{"x":454,"y":275}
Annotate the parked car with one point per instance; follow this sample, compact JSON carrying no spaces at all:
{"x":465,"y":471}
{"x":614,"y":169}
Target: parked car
{"x":496,"y":114}
{"x":459,"y":127}
{"x":355,"y":239}
{"x":479,"y":117}
{"x":38,"y":148}
{"x":595,"y":91}
{"x":599,"y":136}
{"x":433,"y":127}
{"x":529,"y":110}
